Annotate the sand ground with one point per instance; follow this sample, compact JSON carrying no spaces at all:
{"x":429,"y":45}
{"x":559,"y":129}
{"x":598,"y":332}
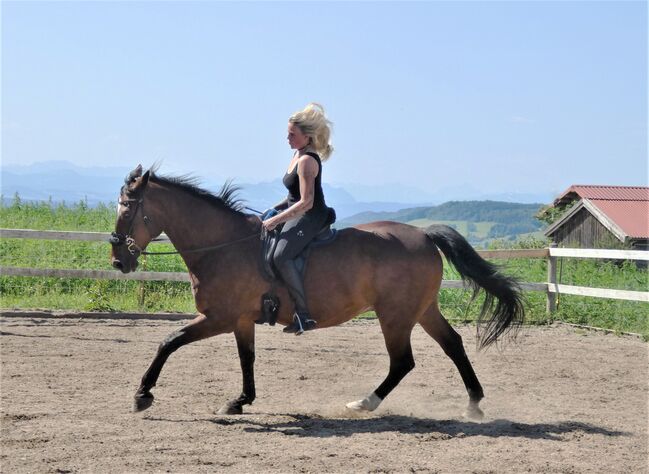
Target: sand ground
{"x":558,"y":400}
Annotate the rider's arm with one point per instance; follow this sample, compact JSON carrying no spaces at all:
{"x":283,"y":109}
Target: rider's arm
{"x":307,"y":170}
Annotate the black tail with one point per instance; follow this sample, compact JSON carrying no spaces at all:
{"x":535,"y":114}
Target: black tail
{"x":502,"y":290}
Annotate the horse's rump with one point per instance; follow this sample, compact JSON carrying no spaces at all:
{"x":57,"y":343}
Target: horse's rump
{"x":370,"y":265}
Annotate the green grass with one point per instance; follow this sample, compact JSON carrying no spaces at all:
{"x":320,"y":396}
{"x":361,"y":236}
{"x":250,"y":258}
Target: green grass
{"x":478,"y":232}
{"x":479,"y":229}
{"x":113,"y":295}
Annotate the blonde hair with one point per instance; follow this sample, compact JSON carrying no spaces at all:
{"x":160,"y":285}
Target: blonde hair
{"x":314,"y":124}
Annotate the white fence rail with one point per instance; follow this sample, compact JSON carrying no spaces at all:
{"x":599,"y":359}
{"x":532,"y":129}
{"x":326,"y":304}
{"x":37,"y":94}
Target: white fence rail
{"x":62,"y":235}
{"x":555,"y":288}
{"x":552,"y":288}
{"x":599,"y":292}
{"x":600,"y":253}
{"x":93,"y":274}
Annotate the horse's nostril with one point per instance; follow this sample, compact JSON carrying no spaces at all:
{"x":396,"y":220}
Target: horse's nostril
{"x":117,"y":264}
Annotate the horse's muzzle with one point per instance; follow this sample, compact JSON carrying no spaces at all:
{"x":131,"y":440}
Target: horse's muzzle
{"x":122,"y":267}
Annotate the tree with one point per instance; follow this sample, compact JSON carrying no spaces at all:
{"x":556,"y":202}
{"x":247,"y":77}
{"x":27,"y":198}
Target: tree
{"x":550,"y":214}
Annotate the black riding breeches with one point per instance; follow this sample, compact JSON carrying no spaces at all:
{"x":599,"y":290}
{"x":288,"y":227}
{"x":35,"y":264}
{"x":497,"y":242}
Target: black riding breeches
{"x":296,"y":235}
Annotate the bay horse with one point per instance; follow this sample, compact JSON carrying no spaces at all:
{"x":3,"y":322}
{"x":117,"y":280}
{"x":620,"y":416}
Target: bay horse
{"x":393,"y":268}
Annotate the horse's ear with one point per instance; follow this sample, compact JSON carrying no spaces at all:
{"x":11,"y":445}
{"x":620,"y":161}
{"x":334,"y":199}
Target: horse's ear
{"x":140,"y":183}
{"x":136,"y":173}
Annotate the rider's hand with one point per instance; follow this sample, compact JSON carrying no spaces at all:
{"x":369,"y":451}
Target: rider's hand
{"x":270,"y":224}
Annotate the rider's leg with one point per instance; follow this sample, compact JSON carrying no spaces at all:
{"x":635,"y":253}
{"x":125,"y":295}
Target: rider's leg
{"x":295,"y":236}
{"x":293,"y":280}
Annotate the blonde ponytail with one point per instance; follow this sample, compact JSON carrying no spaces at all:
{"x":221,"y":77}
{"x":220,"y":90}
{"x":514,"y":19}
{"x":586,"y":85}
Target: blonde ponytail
{"x":315,"y":125}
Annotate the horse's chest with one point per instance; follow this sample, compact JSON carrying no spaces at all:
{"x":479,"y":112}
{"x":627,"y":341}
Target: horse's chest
{"x":213,"y":291}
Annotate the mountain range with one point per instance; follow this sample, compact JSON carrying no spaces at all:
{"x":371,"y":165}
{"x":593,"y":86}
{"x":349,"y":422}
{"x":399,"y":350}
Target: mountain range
{"x":65,"y":181}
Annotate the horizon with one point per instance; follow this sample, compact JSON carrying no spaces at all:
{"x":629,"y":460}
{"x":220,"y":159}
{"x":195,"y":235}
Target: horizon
{"x":252,"y":182}
{"x":524,"y":97}
{"x":21,"y":179}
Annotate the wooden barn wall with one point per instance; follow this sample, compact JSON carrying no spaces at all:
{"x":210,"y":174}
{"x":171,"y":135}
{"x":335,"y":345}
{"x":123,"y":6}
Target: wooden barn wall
{"x":583,"y":230}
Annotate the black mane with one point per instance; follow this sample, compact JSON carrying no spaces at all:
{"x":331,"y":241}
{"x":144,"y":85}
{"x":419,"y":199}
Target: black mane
{"x":227,"y":197}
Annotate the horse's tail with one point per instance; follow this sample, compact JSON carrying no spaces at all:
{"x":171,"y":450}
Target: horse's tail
{"x":501,"y":290}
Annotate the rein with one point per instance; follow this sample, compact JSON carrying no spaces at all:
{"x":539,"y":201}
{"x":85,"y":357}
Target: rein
{"x":117,"y":239}
{"x":202,"y":249}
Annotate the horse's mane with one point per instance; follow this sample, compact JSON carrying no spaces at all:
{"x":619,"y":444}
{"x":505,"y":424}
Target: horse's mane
{"x":226,"y":198}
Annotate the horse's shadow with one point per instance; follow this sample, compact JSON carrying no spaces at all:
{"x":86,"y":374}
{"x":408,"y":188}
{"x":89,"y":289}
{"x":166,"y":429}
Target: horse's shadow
{"x":315,"y":426}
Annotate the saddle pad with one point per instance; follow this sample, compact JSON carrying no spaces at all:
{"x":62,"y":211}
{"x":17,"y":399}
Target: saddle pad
{"x":270,"y":239}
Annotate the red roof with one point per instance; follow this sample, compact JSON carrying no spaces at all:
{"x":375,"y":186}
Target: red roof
{"x":625,"y":206}
{"x":611,"y":193}
{"x":631,"y":216}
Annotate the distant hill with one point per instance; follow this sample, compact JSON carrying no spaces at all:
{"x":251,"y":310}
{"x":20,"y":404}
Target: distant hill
{"x":63,"y":181}
{"x":479,"y":221}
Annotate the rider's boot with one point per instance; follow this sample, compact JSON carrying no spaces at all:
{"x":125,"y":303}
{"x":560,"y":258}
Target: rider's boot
{"x":301,"y":318}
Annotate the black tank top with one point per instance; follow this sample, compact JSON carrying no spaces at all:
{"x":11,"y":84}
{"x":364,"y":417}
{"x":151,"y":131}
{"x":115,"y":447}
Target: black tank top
{"x":292,"y":182}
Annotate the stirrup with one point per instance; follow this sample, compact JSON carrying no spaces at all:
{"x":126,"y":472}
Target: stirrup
{"x":301,"y":322}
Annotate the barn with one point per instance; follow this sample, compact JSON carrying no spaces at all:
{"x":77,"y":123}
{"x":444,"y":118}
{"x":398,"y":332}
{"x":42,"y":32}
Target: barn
{"x":602,"y":217}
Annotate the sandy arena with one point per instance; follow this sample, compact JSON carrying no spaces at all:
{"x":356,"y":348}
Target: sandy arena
{"x":559,"y":400}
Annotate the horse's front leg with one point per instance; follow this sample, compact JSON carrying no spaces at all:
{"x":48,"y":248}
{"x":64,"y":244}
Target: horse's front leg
{"x":199,"y":328}
{"x":245,"y":336}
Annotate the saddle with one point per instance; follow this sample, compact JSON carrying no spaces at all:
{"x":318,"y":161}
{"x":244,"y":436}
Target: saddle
{"x":269,"y":301}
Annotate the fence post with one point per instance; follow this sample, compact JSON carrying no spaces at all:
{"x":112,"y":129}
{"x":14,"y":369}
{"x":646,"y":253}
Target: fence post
{"x":142,"y":289}
{"x":551,"y":305}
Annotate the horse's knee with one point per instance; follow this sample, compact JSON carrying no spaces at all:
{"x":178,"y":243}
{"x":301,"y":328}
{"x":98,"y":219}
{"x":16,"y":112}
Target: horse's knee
{"x":171,"y":343}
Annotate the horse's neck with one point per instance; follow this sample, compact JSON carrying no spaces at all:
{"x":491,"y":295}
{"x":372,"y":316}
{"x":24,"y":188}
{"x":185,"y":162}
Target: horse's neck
{"x":192,"y":223}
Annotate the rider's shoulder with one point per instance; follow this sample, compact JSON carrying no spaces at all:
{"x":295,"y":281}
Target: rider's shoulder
{"x":307,"y":160}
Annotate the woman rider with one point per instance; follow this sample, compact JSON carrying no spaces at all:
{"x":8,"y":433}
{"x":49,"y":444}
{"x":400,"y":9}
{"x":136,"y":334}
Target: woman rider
{"x":303,"y":212}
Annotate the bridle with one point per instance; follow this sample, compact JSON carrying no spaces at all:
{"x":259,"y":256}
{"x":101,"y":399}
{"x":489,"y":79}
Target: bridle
{"x":117,"y":239}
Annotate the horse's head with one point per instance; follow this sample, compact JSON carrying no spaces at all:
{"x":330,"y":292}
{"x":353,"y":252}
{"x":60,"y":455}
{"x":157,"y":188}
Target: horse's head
{"x":133,"y":228}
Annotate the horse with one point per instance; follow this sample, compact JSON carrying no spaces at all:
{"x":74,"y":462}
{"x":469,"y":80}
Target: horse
{"x":392,"y":268}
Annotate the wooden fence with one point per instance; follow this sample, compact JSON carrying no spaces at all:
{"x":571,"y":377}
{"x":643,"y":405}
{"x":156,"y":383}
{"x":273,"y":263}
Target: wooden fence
{"x":552,"y":288}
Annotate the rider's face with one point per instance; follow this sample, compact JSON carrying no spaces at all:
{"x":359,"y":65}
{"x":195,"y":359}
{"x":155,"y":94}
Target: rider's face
{"x":296,"y":139}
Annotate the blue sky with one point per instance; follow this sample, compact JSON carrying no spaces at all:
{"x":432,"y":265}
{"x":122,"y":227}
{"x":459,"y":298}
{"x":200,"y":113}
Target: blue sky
{"x":497,"y":96}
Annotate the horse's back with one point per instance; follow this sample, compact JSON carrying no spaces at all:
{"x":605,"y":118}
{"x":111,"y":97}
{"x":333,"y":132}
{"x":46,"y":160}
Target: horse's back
{"x":382,"y":242}
{"x":375,"y":264}
{"x":407,"y":234}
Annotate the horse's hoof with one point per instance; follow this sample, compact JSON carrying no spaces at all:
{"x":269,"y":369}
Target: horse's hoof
{"x":230,"y":408}
{"x":473,"y":412}
{"x":370,"y":403}
{"x":142,"y":401}
{"x":356,"y":406}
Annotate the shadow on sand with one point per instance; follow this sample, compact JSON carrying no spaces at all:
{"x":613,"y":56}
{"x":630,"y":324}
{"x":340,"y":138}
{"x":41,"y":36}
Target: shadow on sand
{"x":320,"y":427}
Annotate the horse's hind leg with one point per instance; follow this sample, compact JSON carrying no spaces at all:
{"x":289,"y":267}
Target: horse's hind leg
{"x":397,"y":340}
{"x":245,"y":336}
{"x":439,"y":329}
{"x":200,"y":328}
